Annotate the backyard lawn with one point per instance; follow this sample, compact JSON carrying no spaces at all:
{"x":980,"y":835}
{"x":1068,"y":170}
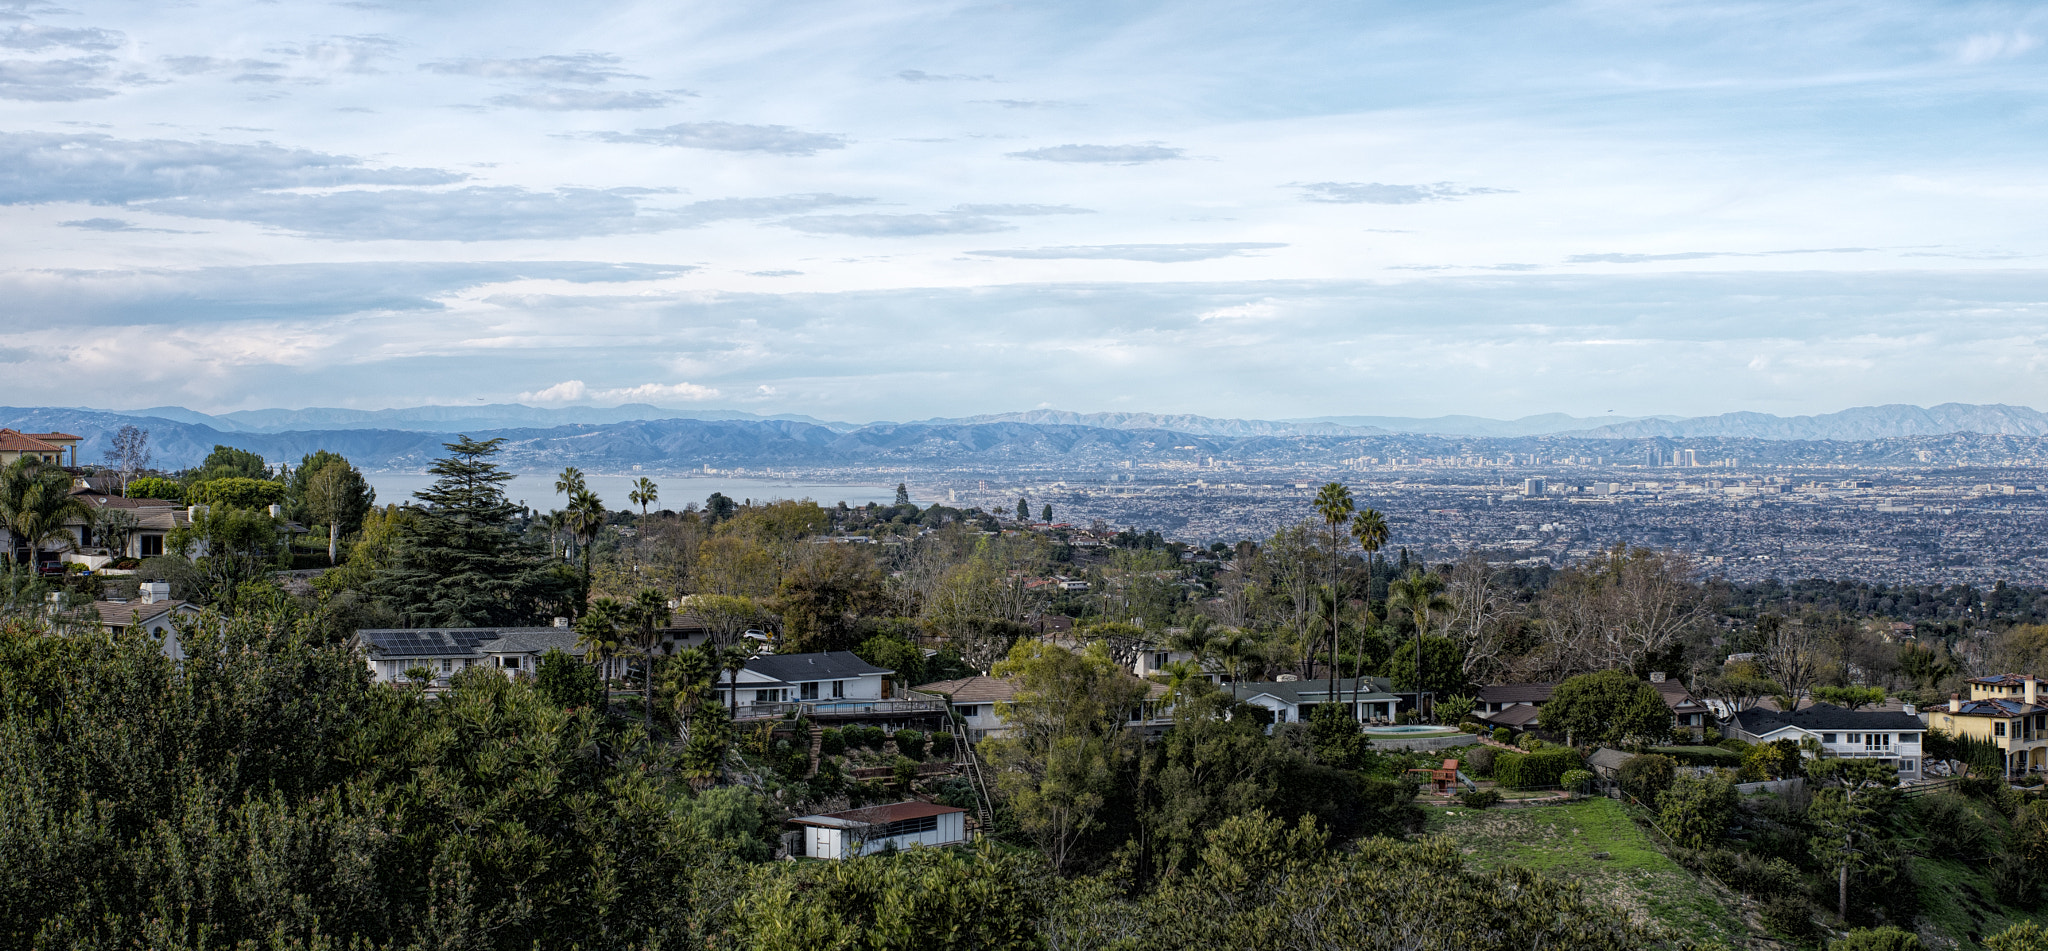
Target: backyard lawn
{"x":1594,"y":842}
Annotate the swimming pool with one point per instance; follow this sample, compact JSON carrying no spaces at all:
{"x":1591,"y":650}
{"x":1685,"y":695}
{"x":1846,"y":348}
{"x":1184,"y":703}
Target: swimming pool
{"x":1408,"y":729}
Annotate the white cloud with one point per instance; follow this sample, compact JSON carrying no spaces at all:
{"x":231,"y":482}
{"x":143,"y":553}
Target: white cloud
{"x":1985,"y":47}
{"x":576,"y":391}
{"x":1263,"y":310}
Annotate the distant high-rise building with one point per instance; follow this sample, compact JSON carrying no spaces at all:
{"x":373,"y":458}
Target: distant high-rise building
{"x":1691,"y":459}
{"x":1533,"y":487}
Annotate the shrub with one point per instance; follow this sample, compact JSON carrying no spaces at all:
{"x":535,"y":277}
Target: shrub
{"x":1951,"y":826}
{"x":1700,"y":755}
{"x":151,"y":487}
{"x":1644,"y":777}
{"x":2014,"y":880}
{"x":1886,"y":938}
{"x":941,"y":744}
{"x":831,"y":742}
{"x":1790,"y":917}
{"x":905,"y":772}
{"x":1750,"y":874}
{"x":910,"y":743}
{"x":2026,"y":936}
{"x":1534,"y":769}
{"x":1576,"y":780}
{"x":1479,"y":798}
{"x":1697,"y":811}
{"x":1501,"y":734}
{"x":1529,"y":741}
{"x":1480,"y":761}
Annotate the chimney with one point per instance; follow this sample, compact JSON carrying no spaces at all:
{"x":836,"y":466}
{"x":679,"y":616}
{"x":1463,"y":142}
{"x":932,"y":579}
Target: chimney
{"x":2033,"y":690}
{"x":155,"y":591}
{"x":1955,"y":703}
{"x":1656,"y":676}
{"x":192,"y":512}
{"x":1909,"y":710}
{"x":561,"y":622}
{"x":277,"y":511}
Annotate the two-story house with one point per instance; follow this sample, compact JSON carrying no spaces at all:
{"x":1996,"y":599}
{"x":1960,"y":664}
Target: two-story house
{"x":1892,"y":737}
{"x":2005,"y":710}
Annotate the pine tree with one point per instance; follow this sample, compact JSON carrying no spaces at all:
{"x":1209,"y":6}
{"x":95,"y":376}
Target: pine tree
{"x":462,"y":564}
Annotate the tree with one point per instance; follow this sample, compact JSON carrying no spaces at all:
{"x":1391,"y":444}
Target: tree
{"x":1420,"y":593}
{"x":1849,"y":697}
{"x":1848,"y":836}
{"x":1740,"y":686}
{"x":1057,"y":764}
{"x":902,"y":495}
{"x":1645,"y":776}
{"x":35,"y":504}
{"x":649,"y":614}
{"x":1792,"y":654}
{"x":1045,"y":513}
{"x":113,"y":527}
{"x":1441,"y":667}
{"x":1023,"y":511}
{"x":236,"y":492}
{"x":151,"y":487}
{"x":1335,"y":505}
{"x":567,"y":682}
{"x":227,"y":462}
{"x":1697,"y":811}
{"x":1607,"y":708}
{"x":128,"y":452}
{"x":718,"y":508}
{"x":585,"y":518}
{"x":644,"y":494}
{"x":570,"y":482}
{"x":340,"y":497}
{"x":823,"y":599}
{"x":457,"y":561}
{"x":597,"y":633}
{"x":1369,"y":530}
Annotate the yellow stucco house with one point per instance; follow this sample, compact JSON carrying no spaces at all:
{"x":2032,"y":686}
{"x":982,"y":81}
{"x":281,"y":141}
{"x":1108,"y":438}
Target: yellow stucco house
{"x":2005,"y":710}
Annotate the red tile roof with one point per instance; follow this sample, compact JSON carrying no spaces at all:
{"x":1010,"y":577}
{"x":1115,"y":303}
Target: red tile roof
{"x":14,"y":440}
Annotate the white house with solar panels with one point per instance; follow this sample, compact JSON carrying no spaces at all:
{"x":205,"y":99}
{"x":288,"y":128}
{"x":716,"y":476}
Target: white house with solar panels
{"x":445,"y":650}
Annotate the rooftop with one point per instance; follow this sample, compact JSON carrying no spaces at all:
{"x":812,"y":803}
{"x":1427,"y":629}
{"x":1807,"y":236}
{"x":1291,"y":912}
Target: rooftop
{"x":1825,"y":716}
{"x":975,"y":689}
{"x":876,"y":815}
{"x":828,"y":665}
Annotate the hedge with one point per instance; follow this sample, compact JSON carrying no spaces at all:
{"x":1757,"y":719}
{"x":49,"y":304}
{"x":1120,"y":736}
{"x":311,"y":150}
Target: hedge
{"x":1701,"y":755}
{"x":1545,"y":767}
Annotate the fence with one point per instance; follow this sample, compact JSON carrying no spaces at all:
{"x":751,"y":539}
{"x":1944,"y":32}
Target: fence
{"x":1778,"y":786}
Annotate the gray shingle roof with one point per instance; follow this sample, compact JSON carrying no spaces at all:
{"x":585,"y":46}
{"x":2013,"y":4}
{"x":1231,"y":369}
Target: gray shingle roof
{"x":1515,"y":693}
{"x":798,"y":668}
{"x":533,"y":641}
{"x":1758,"y":721}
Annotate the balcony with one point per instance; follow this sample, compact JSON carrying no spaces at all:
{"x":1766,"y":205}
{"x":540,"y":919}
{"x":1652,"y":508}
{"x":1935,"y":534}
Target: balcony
{"x":841,"y":709}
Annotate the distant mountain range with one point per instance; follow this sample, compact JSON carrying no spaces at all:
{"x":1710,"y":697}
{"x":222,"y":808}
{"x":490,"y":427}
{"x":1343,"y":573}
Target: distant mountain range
{"x":621,"y":437}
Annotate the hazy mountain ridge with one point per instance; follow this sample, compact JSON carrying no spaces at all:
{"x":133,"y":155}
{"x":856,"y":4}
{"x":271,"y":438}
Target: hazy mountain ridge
{"x":1542,"y":424}
{"x":1863,"y":422}
{"x":684,"y":444}
{"x":1178,"y":423}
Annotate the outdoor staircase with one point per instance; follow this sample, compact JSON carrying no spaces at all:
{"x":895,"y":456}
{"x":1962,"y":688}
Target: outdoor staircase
{"x":970,"y":763}
{"x":817,"y":749}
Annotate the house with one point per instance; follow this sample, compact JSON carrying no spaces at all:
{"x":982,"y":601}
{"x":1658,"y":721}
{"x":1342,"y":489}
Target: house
{"x":1514,"y":705}
{"x":827,"y":682}
{"x":1890,"y":737}
{"x":516,"y":651}
{"x":155,"y":613}
{"x":865,"y":831}
{"x":48,"y":447}
{"x":2005,"y":710}
{"x":974,"y":701}
{"x":1292,"y":701}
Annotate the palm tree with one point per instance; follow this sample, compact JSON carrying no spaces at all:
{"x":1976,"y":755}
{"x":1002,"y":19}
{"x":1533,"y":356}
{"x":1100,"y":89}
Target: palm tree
{"x":556,"y":522}
{"x":1198,"y":638}
{"x":1419,"y":594}
{"x":650,"y":614}
{"x":597,"y":632}
{"x":1335,"y":505}
{"x":585,"y":519}
{"x":1369,"y":530}
{"x":644,"y":494}
{"x":35,"y":504}
{"x":1235,"y":648}
{"x":569,"y":482}
{"x":733,"y":660}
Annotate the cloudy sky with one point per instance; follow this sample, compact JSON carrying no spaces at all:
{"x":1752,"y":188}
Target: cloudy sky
{"x":895,"y":210}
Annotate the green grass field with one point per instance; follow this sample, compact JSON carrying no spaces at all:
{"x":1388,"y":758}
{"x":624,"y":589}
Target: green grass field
{"x":1593,"y":842}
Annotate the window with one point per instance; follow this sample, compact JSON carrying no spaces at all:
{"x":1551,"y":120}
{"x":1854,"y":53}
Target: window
{"x":510,"y":663}
{"x":969,"y":711}
{"x":1909,"y":766}
{"x":152,"y":546}
{"x":765,"y":696}
{"x":1877,"y":741}
{"x":917,"y":826}
{"x":1998,"y":729}
{"x":1855,"y":738}
{"x":1827,"y":738}
{"x":807,"y":691}
{"x":1909,"y":737}
{"x":1159,"y":659}
{"x":447,"y":665}
{"x":839,"y":690}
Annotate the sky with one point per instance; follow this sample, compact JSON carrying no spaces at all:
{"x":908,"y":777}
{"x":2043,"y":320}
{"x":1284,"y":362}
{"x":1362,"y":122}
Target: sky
{"x":901,"y":210}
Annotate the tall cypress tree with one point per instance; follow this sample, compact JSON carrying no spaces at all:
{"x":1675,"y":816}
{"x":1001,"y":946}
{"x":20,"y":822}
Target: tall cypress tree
{"x":463,"y":564}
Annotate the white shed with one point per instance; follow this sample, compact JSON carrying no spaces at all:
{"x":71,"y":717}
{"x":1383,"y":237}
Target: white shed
{"x":865,"y":831}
